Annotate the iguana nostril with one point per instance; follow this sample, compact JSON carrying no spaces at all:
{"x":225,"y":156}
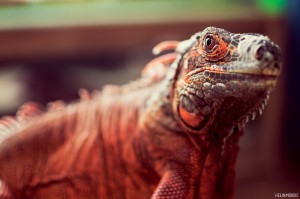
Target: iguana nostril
{"x":267,"y":51}
{"x":276,"y":65}
{"x":259,"y":53}
{"x":274,"y":50}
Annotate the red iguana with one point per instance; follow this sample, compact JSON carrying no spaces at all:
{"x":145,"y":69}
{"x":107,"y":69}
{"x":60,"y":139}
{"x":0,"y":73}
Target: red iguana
{"x":173,"y":133}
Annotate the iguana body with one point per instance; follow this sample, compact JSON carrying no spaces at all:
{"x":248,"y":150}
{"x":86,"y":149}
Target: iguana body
{"x":171,"y":134}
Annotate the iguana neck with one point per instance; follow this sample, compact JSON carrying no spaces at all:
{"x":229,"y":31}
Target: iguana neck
{"x":216,"y":179}
{"x":217,"y":148}
{"x":220,"y":146}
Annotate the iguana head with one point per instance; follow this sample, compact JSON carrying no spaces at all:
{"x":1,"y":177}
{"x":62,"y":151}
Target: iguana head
{"x":224,"y":78}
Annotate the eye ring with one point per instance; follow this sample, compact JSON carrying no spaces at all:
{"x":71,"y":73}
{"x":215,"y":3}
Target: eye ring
{"x":209,"y":43}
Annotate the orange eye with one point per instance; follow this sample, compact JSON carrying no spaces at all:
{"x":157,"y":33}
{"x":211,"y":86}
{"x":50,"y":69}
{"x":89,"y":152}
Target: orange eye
{"x":213,"y":47}
{"x":209,"y":43}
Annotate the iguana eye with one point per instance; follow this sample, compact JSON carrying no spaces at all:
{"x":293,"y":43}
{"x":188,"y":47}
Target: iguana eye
{"x":213,"y":47}
{"x":209,"y":43}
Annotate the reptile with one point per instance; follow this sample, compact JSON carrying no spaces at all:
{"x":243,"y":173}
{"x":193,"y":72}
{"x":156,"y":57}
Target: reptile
{"x":172,"y":133}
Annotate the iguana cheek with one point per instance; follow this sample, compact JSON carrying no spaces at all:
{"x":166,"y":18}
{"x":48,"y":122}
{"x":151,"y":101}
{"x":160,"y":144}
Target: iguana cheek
{"x":188,"y":114}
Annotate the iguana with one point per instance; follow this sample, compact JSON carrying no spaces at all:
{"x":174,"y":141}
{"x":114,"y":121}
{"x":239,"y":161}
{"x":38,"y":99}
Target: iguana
{"x":173,"y":133}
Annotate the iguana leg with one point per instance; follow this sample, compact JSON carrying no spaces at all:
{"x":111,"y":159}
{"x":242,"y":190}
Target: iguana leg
{"x":4,"y":192}
{"x":173,"y":185}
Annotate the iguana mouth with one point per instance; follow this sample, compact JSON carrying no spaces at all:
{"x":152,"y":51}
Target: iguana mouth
{"x":262,"y":72}
{"x":268,"y":74}
{"x":242,"y":75}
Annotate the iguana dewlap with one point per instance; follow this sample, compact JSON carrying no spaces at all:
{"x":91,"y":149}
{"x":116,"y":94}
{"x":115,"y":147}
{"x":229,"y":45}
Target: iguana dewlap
{"x":173,"y":133}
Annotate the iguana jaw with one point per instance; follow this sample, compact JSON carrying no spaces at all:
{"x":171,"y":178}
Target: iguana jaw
{"x":257,"y":71}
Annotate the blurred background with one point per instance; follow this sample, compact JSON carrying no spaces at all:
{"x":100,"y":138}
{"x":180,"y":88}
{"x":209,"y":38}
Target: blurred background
{"x":51,"y":48}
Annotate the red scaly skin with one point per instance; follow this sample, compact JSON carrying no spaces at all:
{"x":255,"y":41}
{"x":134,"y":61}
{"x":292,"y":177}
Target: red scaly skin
{"x":173,"y":133}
